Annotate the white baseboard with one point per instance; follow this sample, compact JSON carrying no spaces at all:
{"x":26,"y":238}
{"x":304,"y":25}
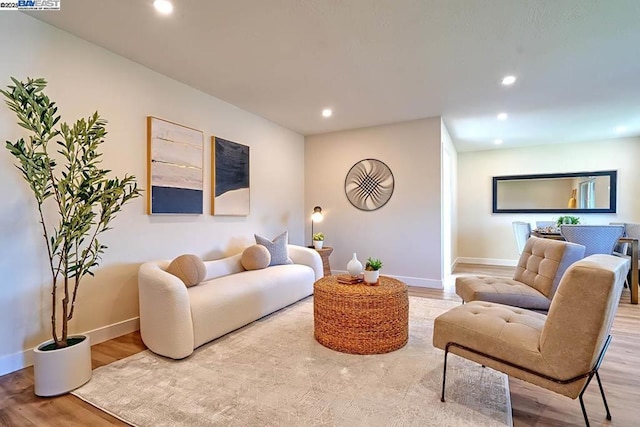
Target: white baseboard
{"x":487,"y":261}
{"x":22,"y":359}
{"x":16,"y":361}
{"x":411,"y":281}
{"x":115,"y":330}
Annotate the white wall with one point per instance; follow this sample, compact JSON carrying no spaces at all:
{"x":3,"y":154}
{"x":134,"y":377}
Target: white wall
{"x":406,"y":232}
{"x":450,"y":212}
{"x":84,"y":78}
{"x":484,"y":237}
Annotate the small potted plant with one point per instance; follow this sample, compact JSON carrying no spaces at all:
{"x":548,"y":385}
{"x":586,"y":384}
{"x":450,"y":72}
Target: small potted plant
{"x":318,"y":240}
{"x":568,"y":219}
{"x":372,"y":270}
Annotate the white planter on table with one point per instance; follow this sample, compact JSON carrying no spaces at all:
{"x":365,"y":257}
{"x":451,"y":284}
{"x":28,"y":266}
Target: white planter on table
{"x":371,"y":276}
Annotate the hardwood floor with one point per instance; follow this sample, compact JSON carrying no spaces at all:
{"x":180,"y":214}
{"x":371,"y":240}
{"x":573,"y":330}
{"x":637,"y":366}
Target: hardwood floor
{"x":532,"y":406}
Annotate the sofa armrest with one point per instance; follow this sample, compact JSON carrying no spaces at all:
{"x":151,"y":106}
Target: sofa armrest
{"x":307,"y":256}
{"x":165,"y":312}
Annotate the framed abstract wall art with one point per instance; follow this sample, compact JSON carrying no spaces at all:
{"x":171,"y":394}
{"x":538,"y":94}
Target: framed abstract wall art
{"x":174,"y":171}
{"x":229,"y":178}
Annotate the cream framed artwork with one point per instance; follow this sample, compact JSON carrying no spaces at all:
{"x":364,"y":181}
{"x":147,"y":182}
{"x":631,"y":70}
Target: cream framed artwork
{"x":175,"y":168}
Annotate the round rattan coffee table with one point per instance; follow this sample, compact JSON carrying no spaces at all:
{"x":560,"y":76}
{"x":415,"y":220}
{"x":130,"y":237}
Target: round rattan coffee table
{"x":361,"y":319}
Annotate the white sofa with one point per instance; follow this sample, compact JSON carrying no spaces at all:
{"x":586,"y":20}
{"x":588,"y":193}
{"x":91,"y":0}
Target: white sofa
{"x":174,"y":319}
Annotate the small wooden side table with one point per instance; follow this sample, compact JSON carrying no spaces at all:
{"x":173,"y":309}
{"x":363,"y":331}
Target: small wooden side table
{"x":324,"y":254}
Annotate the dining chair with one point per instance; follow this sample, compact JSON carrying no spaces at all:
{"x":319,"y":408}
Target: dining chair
{"x":522,"y":232}
{"x":545,"y":224}
{"x":597,"y":239}
{"x":620,"y":249}
{"x":632,"y":230}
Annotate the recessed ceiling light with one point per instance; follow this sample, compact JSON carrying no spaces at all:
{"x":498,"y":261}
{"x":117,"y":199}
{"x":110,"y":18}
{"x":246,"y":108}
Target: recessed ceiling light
{"x":502,"y":116}
{"x":163,"y":6}
{"x":621,"y":129}
{"x":508,"y":80}
{"x":327,"y":112}
{"x":497,"y":141}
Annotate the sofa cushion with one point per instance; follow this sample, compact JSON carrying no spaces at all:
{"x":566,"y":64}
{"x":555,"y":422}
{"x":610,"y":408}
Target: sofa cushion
{"x":255,"y":257}
{"x":277,"y":248}
{"x":189,"y":268}
{"x":224,"y":266}
{"x":227,"y":303}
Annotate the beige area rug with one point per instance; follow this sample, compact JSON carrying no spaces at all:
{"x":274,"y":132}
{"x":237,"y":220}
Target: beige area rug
{"x":273,"y":373}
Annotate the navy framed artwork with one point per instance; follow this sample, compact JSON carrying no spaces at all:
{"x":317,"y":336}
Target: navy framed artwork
{"x":229,"y":177}
{"x":174,"y":171}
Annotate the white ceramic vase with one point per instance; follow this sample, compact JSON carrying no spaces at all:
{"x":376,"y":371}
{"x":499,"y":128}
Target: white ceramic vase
{"x":354,"y":267}
{"x":61,"y":370}
{"x":318,"y":244}
{"x":371,"y":276}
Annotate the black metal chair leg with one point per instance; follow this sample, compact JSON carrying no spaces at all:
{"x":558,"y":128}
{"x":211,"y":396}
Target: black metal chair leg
{"x":604,"y":399}
{"x":444,"y":374}
{"x":584,"y":411}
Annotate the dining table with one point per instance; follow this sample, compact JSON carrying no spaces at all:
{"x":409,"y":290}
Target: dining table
{"x":634,"y":257}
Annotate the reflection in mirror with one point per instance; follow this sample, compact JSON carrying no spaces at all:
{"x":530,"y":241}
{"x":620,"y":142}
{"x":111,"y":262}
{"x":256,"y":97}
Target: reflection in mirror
{"x":581,"y":192}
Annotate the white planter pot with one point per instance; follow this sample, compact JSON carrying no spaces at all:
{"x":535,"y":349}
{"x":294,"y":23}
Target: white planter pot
{"x":61,"y":370}
{"x":318,"y":244}
{"x":371,"y":276}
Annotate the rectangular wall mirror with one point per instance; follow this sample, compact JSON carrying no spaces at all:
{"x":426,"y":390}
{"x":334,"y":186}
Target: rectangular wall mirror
{"x":576,"y":192}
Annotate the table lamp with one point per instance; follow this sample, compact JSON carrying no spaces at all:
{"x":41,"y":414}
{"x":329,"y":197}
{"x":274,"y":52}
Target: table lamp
{"x":315,"y":217}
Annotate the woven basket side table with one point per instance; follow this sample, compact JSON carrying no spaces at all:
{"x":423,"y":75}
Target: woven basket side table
{"x":361,"y":319}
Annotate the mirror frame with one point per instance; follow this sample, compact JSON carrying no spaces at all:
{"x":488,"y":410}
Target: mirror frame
{"x":613,"y":189}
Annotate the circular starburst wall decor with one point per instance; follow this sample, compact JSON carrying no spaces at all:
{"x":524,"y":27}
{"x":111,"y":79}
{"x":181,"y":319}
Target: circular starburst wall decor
{"x":369,"y":184}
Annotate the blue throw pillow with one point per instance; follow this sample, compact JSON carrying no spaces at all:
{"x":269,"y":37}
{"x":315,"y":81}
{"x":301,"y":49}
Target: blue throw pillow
{"x":277,"y":248}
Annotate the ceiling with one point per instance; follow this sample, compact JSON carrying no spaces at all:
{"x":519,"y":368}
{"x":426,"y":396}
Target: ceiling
{"x":384,"y":61}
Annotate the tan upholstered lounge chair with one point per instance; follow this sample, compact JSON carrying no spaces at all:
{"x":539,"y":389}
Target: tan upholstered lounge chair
{"x":540,"y":267}
{"x":561,"y":351}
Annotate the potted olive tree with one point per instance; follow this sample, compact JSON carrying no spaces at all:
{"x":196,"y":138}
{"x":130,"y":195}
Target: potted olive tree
{"x":85,"y":200}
